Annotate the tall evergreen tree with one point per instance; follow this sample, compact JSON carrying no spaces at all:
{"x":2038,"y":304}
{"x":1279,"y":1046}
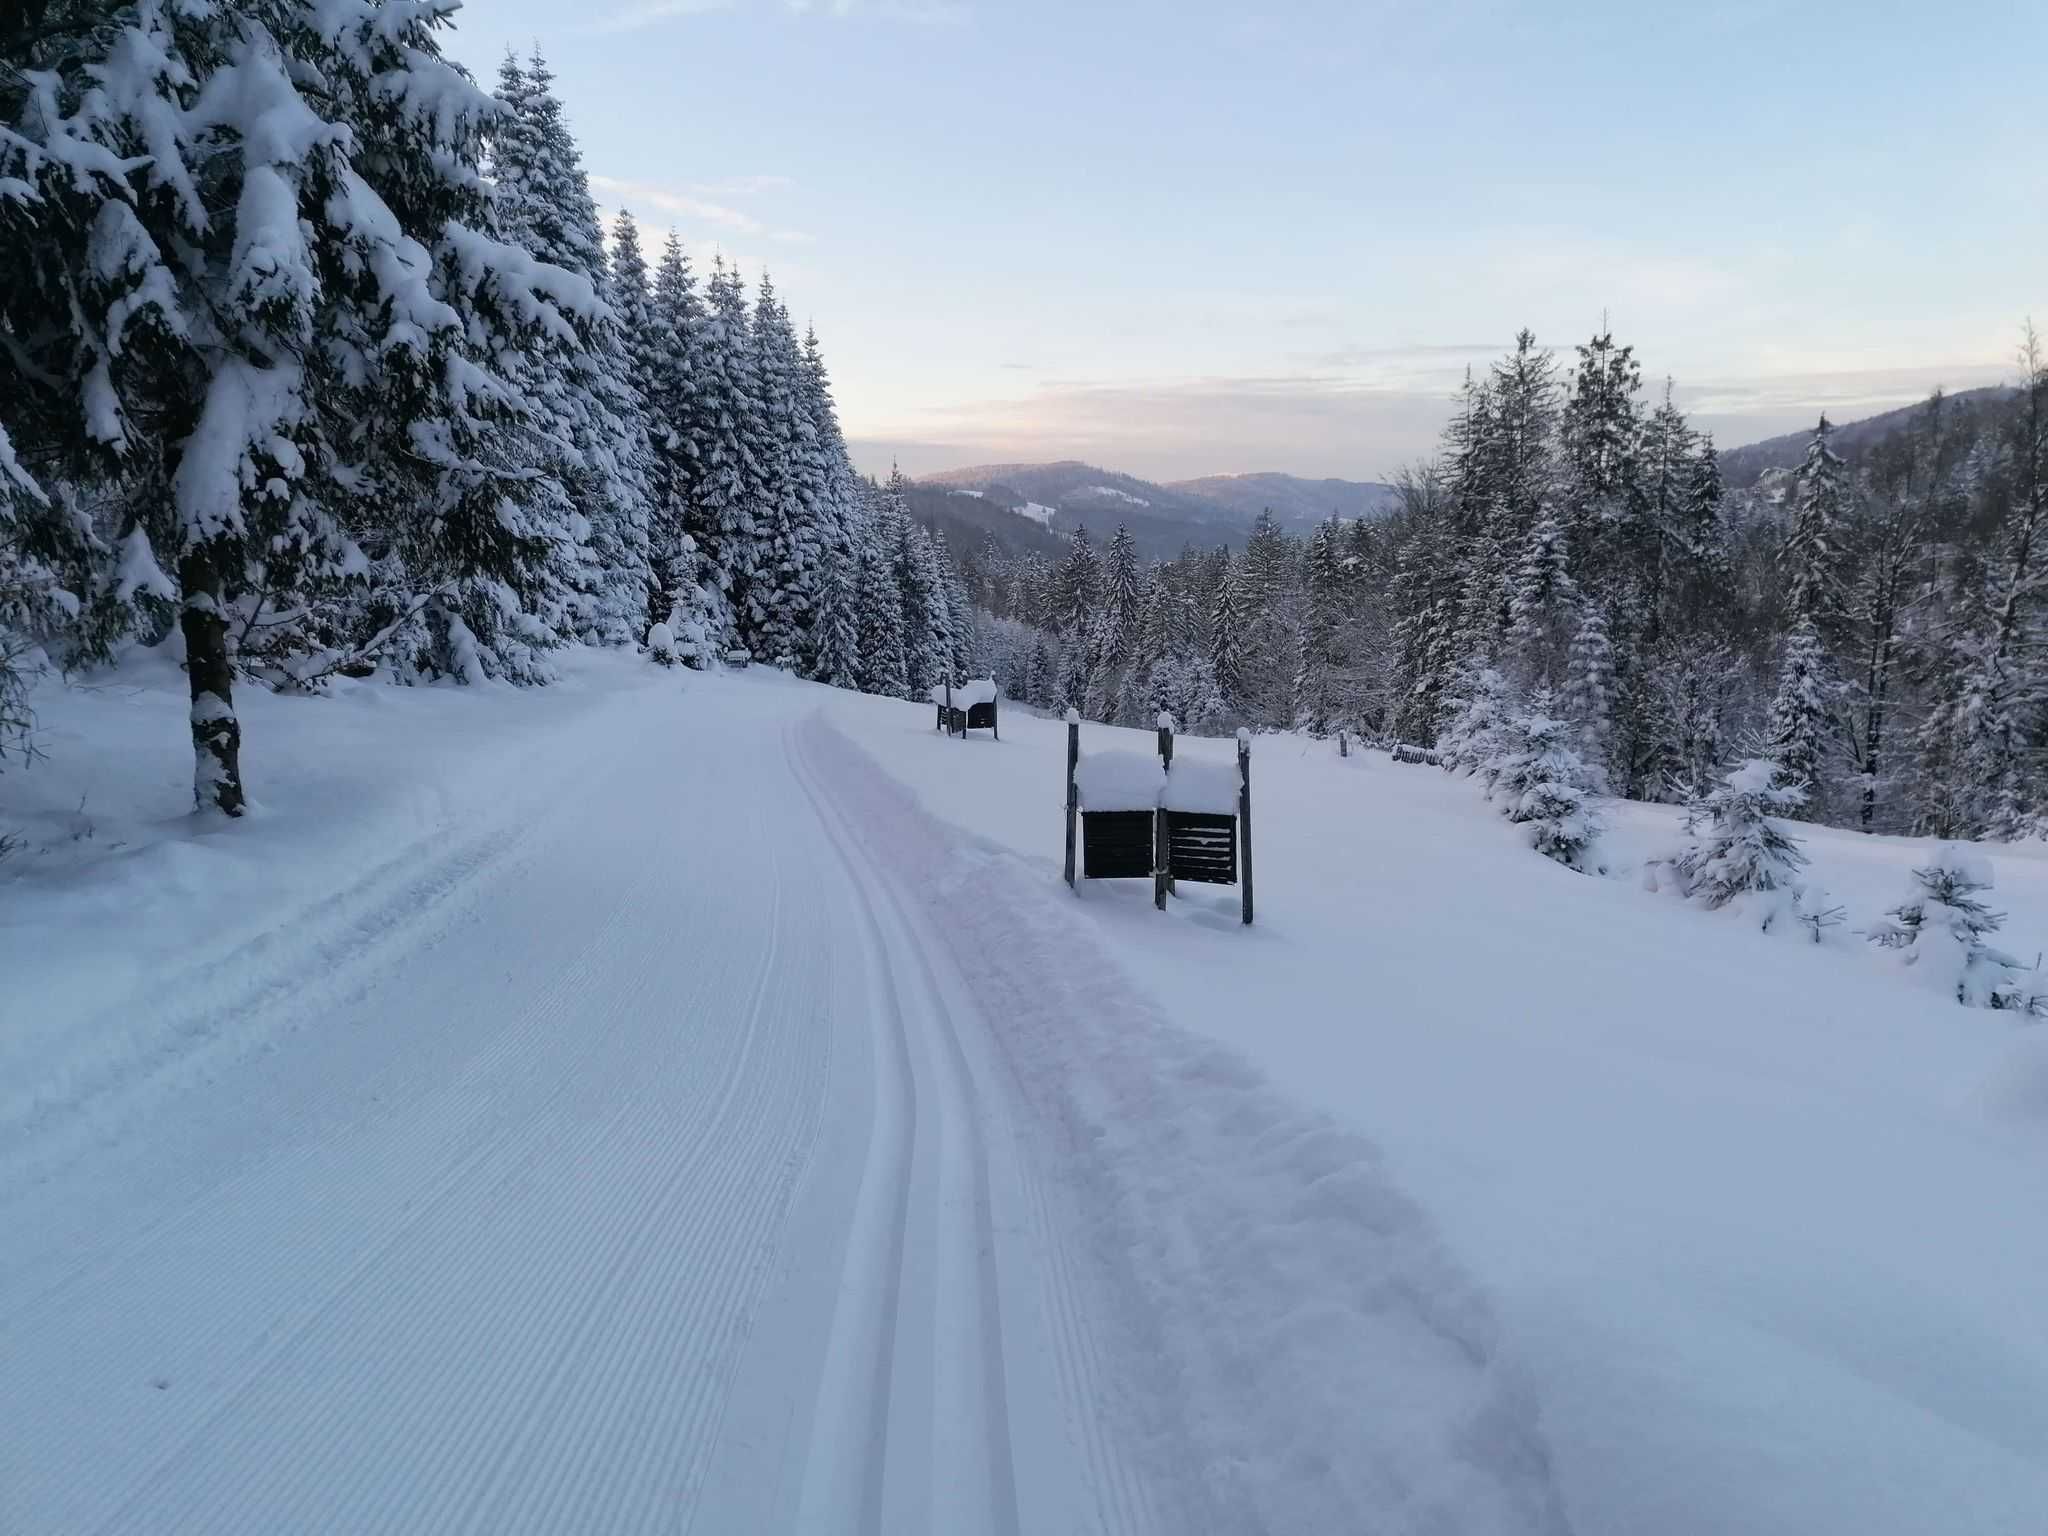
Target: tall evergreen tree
{"x":589,"y":417}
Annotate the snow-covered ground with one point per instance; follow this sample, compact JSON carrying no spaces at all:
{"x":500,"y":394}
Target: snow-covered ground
{"x":683,"y":1102}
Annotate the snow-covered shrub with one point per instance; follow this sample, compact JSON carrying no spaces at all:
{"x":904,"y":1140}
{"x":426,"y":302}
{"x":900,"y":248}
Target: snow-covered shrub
{"x":1471,"y":742}
{"x":1940,"y":931}
{"x":1542,"y":783}
{"x":661,"y":646}
{"x":1744,"y":848}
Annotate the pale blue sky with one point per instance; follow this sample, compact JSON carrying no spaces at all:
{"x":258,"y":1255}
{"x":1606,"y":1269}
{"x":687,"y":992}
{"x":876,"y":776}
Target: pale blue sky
{"x":1191,"y":238}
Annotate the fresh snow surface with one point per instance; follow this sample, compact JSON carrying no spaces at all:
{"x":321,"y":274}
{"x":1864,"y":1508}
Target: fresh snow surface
{"x":1037,"y":512}
{"x":978,"y":690}
{"x":1202,"y":784}
{"x":1116,"y":780}
{"x":1760,"y":1222}
{"x":620,"y":1107}
{"x":659,"y":1104}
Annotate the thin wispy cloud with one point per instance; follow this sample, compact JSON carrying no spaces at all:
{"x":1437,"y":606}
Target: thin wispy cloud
{"x":688,"y":204}
{"x":653,"y":12}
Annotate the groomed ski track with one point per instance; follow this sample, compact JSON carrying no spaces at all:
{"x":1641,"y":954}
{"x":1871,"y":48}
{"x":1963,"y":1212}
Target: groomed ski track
{"x":630,"y":1157}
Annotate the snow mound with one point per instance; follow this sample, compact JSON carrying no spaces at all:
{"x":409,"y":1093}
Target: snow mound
{"x":1193,"y":784}
{"x":1119,"y":781}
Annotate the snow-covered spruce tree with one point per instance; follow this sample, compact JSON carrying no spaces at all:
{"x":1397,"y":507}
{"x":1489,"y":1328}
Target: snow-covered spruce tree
{"x":1744,"y":847}
{"x":1543,"y":602}
{"x":1799,"y":731}
{"x":1940,"y":931}
{"x":1474,"y":738}
{"x":1589,"y":687}
{"x":1543,"y":785}
{"x":1812,"y":553}
{"x":287,"y":331}
{"x":834,"y":637}
{"x":727,"y":493}
{"x":878,"y":610}
{"x":1227,"y":638}
{"x":588,"y":409}
{"x":927,"y":615}
{"x":1321,"y":702}
{"x":677,"y":435}
{"x":782,"y":601}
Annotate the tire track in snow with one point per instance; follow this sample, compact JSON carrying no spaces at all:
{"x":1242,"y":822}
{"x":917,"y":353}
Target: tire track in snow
{"x":937,"y":1454}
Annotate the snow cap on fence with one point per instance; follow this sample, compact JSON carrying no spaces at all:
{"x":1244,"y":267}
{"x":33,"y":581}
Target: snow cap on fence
{"x":1119,"y":781}
{"x":977,"y":690}
{"x":1166,"y":719}
{"x":1073,"y":715}
{"x":1244,"y":736}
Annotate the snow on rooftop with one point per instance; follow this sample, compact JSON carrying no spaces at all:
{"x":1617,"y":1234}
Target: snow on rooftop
{"x":976,"y":690}
{"x":1118,"y":781}
{"x":1197,"y":784}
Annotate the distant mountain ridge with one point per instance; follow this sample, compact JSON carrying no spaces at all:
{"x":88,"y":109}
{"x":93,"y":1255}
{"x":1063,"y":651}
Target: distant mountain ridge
{"x":1291,"y":498}
{"x":1162,"y":518}
{"x":1744,"y":466}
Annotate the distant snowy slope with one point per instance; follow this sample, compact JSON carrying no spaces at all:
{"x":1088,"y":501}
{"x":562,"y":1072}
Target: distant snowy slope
{"x":1294,"y":501}
{"x":1743,"y":466}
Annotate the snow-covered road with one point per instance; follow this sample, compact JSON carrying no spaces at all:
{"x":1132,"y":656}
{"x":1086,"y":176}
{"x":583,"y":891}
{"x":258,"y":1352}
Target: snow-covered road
{"x":629,"y":1176}
{"x":629,"y":1151}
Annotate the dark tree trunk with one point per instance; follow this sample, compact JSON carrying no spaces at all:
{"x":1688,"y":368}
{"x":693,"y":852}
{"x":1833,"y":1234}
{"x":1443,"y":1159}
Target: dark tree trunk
{"x":216,"y":733}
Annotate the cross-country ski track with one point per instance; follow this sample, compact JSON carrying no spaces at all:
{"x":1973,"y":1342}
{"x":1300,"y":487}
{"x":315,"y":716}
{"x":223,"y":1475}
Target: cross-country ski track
{"x":633,"y":1152}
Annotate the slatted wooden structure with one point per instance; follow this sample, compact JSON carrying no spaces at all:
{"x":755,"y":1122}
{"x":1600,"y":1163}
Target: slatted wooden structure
{"x":974,"y":710}
{"x":1183,"y":837}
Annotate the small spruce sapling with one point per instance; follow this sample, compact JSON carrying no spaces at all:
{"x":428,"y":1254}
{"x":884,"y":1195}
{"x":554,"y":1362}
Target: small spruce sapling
{"x":1745,"y":848}
{"x":1940,"y":931}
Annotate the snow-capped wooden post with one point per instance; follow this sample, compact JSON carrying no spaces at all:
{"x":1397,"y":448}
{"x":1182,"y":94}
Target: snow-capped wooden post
{"x":1244,"y":820}
{"x":1073,"y":788}
{"x":949,"y":707}
{"x":1343,"y":742}
{"x":1162,"y":842}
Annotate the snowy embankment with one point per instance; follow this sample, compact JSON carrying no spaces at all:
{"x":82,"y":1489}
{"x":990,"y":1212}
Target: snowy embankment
{"x":1762,"y":1220}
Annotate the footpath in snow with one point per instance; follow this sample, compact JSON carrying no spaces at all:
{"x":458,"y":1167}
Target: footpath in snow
{"x":626,"y":1108}
{"x":1762,"y":1225}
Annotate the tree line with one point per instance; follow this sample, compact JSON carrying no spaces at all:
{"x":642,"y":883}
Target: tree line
{"x":1571,"y":553}
{"x":315,"y":361}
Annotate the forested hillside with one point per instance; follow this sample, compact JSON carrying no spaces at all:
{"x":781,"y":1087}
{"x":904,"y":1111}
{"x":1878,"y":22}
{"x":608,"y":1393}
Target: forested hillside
{"x":317,"y":361}
{"x":1573,"y":555}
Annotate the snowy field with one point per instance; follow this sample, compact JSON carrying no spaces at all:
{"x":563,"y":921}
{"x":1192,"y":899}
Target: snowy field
{"x":671,"y":1102}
